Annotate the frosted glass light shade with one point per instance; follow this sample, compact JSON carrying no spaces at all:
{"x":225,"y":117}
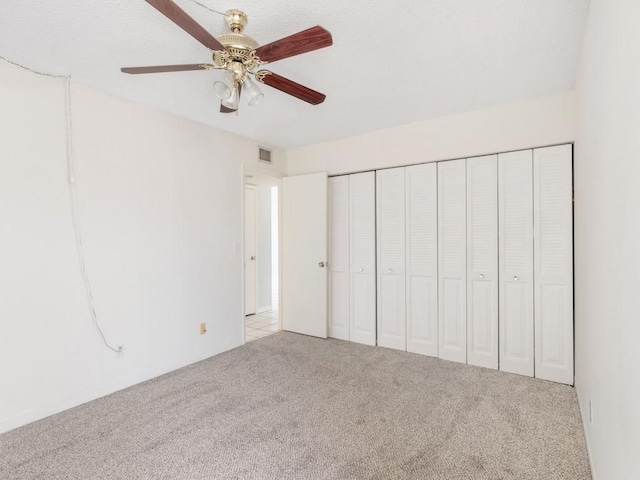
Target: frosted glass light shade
{"x":224,"y":87}
{"x":253,"y":93}
{"x":232,"y":101}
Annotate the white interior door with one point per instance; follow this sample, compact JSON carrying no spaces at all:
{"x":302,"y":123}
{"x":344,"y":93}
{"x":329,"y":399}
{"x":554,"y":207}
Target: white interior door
{"x":421,"y":183}
{"x":250,"y":243}
{"x":304,"y":254}
{"x":339,"y":257}
{"x":515,"y":200}
{"x":482,"y":261}
{"x":553,"y":259}
{"x":362,"y":288}
{"x":390,"y":216}
{"x":452,"y":261}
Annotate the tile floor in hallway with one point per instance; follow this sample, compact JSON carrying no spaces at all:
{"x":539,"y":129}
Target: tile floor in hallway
{"x":261,"y":324}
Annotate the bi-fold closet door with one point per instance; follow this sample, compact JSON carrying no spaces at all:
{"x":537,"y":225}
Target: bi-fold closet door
{"x":352,"y":258}
{"x":474,"y":260}
{"x":515,"y":194}
{"x":482,"y":261}
{"x":421,"y":232}
{"x":407,"y":221}
{"x":536,"y":263}
{"x":362,"y":245}
{"x":390,"y":215}
{"x":553,"y":263}
{"x":452,"y":260}
{"x":338,"y":259}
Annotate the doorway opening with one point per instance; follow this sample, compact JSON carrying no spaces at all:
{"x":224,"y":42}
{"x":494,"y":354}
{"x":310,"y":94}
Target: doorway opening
{"x":261,"y":276}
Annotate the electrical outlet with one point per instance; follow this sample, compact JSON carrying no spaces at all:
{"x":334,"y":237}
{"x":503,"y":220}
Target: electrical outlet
{"x":203,"y":328}
{"x":120,"y":352}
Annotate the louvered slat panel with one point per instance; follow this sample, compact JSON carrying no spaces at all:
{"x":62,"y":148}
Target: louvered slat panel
{"x":422,"y":258}
{"x":553,"y":264}
{"x":390,"y":215}
{"x":391,"y":218}
{"x":339,"y":257}
{"x":482,"y":261}
{"x":452,"y":265}
{"x":515,"y":198}
{"x":362,"y":211}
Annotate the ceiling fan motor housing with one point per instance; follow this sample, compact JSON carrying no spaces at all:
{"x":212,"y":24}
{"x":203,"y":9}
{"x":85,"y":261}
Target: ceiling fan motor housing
{"x":238,"y":46}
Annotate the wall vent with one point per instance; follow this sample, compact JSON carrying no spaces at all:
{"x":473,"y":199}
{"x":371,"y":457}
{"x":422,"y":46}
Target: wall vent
{"x":264,"y":155}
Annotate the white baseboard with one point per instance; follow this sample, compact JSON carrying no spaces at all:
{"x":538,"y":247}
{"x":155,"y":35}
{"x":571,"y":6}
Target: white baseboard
{"x":584,"y":429}
{"x":263,"y":309}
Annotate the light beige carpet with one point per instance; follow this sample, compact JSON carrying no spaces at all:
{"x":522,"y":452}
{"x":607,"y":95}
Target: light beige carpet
{"x":294,"y":407}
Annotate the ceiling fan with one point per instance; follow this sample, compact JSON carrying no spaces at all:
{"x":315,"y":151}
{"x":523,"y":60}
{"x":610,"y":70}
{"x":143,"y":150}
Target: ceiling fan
{"x":240,"y":57}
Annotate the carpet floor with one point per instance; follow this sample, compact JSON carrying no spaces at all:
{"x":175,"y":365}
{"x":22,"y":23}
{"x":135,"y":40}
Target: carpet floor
{"x":294,"y":407}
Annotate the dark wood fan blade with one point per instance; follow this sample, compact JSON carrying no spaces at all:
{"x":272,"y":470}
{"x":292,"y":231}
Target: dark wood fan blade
{"x":296,"y":44}
{"x":178,"y":16}
{"x":224,"y":109}
{"x":292,"y":88}
{"x":166,"y":68}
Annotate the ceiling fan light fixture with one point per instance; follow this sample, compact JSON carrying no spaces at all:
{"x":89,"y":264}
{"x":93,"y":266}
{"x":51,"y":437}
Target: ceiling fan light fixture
{"x":224,"y":88}
{"x":240,"y":56}
{"x":253,"y":93}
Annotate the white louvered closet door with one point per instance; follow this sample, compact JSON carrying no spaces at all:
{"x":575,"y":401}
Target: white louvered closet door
{"x":362,"y":228}
{"x":553,"y":258}
{"x":390,"y":215}
{"x":515,"y":199}
{"x":482,"y":261}
{"x":452,"y":261}
{"x":339,"y":257}
{"x":421,"y":182}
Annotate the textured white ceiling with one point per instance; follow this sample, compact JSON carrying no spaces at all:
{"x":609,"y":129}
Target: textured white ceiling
{"x":392,"y":62}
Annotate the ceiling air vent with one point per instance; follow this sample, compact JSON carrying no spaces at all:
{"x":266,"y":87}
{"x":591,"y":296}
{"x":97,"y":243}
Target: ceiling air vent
{"x":264,"y":155}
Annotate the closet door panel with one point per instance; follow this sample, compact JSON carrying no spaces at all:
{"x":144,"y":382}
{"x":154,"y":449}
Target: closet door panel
{"x":362,"y":211}
{"x":339,"y":257}
{"x":452,"y":264}
{"x":482,"y":261}
{"x":515,"y":198}
{"x":421,"y":182}
{"x":553,"y":260}
{"x":390,"y":214}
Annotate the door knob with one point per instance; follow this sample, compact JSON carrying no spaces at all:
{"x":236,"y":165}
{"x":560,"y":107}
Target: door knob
{"x":361,"y":269}
{"x":253,"y":257}
{"x":390,"y":270}
{"x":321,"y":264}
{"x":482,"y":275}
{"x":515,"y":277}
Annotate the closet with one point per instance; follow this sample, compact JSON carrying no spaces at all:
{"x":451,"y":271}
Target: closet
{"x":468,"y":260}
{"x":352,"y":258}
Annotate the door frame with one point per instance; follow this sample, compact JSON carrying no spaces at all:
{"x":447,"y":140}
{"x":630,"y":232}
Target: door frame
{"x":255,"y":248}
{"x":277,"y":176}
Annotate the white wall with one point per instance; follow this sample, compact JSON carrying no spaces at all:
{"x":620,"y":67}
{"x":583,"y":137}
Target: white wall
{"x":160,"y":211}
{"x":607,"y":238}
{"x":531,"y":123}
